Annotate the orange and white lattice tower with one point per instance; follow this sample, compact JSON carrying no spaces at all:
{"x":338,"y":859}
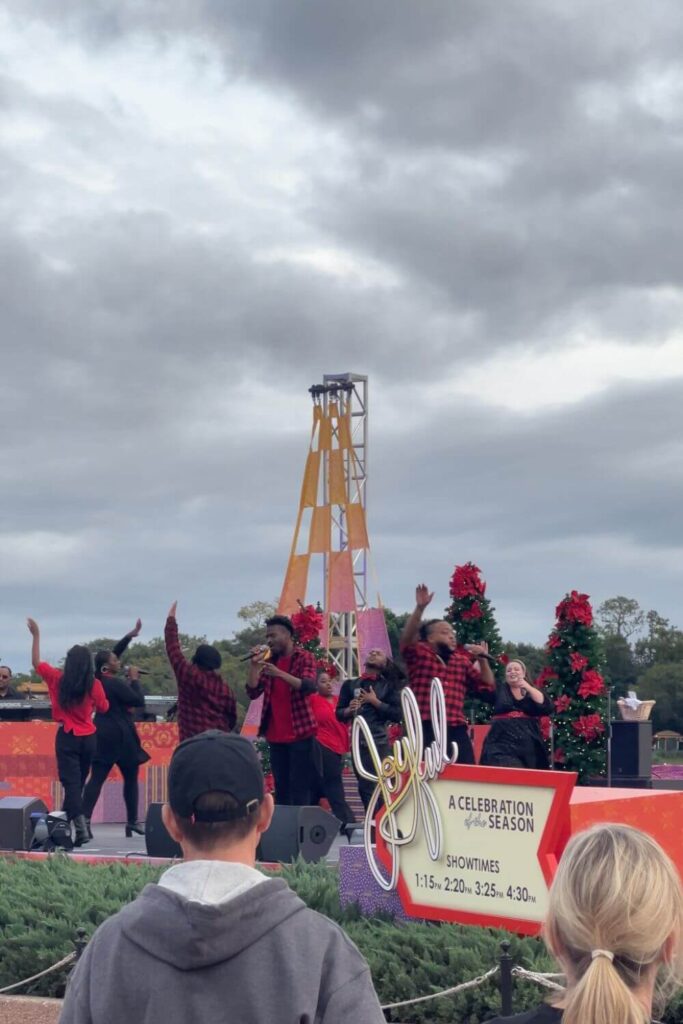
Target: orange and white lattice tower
{"x":331,"y":525}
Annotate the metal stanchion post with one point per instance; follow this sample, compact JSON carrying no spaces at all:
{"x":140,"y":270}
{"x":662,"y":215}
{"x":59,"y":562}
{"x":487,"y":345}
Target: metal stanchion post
{"x":505,"y":979}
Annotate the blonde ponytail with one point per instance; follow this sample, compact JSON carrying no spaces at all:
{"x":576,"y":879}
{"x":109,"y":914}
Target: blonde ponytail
{"x":616,"y":906}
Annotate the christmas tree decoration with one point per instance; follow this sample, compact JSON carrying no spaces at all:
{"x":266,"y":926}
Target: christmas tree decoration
{"x":471,"y":615}
{"x":574,"y":681}
{"x":308,"y":625}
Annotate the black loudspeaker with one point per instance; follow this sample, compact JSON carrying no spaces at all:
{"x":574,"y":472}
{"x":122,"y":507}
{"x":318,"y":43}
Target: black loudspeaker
{"x":632,"y":750}
{"x":294,"y":831}
{"x":16,"y":827}
{"x":157,"y":839}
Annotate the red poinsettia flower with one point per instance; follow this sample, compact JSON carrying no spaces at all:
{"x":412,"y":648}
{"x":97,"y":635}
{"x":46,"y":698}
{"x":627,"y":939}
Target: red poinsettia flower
{"x":588,"y":727}
{"x":577,"y":662}
{"x":592,"y":684}
{"x":504,"y":659}
{"x":562,"y":703}
{"x":575,"y":608}
{"x":323,"y":665}
{"x":545,"y":675}
{"x":307,"y":622}
{"x":559,"y":756}
{"x":466,"y":581}
{"x":545,"y":727}
{"x":554,"y":641}
{"x":473,"y":612}
{"x":394,"y":732}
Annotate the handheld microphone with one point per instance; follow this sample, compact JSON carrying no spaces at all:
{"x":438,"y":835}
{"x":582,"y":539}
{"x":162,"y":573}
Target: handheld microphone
{"x":264,"y":651}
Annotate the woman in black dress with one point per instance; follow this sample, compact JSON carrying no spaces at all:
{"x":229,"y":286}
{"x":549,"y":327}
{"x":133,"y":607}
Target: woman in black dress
{"x":118,"y":742}
{"x":514,"y":739}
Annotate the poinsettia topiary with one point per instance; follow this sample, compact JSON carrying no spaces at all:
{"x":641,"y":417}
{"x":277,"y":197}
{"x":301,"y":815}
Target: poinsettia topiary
{"x":574,"y":682}
{"x":471,"y":615}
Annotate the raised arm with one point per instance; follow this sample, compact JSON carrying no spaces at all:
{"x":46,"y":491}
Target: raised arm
{"x":120,"y":647}
{"x":35,"y":645}
{"x":173,"y":650}
{"x":483,"y":679}
{"x":411,"y":629}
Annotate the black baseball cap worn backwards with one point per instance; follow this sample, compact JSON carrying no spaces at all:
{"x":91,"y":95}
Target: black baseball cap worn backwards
{"x":215,"y":762}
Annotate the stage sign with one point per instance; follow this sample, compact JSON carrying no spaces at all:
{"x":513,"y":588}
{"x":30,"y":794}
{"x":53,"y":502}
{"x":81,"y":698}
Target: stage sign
{"x":460,"y":842}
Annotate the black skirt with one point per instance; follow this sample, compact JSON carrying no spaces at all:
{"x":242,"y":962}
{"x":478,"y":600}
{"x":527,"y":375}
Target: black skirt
{"x":515,"y":743}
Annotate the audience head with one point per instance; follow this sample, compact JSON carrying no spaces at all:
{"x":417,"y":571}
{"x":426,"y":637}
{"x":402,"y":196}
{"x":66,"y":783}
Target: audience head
{"x":279,"y":635}
{"x":216,"y":797}
{"x":615,"y":918}
{"x":207,"y":658}
{"x":77,"y":678}
{"x":5,"y":678}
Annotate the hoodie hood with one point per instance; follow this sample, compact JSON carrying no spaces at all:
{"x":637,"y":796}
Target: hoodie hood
{"x":191,"y":935}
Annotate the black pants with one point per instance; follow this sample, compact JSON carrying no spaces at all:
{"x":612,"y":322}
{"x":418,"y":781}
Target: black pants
{"x":291,"y":764}
{"x":459,"y":734}
{"x":327,"y":782}
{"x":365,"y":787}
{"x":74,"y":757}
{"x":98,"y":777}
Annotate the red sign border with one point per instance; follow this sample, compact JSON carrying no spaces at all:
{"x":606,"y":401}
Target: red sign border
{"x":553,"y":841}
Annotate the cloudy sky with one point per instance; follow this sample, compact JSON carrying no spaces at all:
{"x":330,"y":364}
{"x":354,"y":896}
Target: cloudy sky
{"x":207,"y":205}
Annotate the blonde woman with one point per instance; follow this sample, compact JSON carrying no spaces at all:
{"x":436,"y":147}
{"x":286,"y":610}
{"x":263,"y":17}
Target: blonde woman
{"x":514,"y":739}
{"x":614,"y":923}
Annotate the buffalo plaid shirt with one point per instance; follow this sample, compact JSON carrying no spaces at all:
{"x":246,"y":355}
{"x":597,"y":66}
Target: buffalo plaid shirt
{"x":303,"y":666}
{"x":205,"y":701}
{"x":424,"y":664}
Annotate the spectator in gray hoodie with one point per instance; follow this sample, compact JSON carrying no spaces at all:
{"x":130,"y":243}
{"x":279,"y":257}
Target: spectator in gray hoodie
{"x":216,"y":940}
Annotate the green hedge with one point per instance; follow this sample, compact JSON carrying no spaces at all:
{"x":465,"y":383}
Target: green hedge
{"x":42,"y":904}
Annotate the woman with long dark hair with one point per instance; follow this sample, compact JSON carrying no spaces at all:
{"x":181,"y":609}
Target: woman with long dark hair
{"x":118,"y":742}
{"x":75,"y":694}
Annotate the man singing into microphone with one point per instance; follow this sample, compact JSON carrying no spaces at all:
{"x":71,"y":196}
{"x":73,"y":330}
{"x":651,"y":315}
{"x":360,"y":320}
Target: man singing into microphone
{"x":286,"y":678}
{"x":429,"y":651}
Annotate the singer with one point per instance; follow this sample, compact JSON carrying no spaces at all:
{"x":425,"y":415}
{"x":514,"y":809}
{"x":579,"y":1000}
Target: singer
{"x":205,"y":701}
{"x":514,"y":739}
{"x":118,"y":742}
{"x":429,"y":651}
{"x":286,"y":681}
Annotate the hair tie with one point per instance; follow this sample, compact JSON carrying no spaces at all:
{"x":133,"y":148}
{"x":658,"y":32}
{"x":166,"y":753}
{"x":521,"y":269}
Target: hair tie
{"x":595,"y":953}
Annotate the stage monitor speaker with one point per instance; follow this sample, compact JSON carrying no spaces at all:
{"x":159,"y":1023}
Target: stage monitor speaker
{"x":16,"y":827}
{"x":631,"y":749}
{"x":294,"y":831}
{"x":157,"y":839}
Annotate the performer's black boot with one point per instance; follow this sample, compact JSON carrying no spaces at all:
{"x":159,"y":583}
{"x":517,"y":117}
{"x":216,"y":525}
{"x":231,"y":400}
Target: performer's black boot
{"x":133,"y":826}
{"x":87,"y":825}
{"x":81,"y":830}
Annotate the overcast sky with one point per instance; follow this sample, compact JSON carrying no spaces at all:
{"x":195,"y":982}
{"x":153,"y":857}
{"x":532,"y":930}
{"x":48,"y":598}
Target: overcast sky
{"x":207,"y":205}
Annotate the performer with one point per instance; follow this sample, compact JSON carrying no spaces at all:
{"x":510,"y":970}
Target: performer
{"x":331,"y":743}
{"x":376,"y":697}
{"x":514,"y":739}
{"x":118,"y":742}
{"x":74,"y":694}
{"x":286,"y":676}
{"x":7,"y":691}
{"x":429,"y":651}
{"x":205,"y":701}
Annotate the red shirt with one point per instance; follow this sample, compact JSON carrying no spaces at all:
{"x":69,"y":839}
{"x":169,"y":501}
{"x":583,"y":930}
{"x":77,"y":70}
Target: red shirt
{"x":424,"y":664}
{"x":302,"y":666}
{"x":280,"y":728}
{"x":332,"y":733}
{"x":78,"y":719}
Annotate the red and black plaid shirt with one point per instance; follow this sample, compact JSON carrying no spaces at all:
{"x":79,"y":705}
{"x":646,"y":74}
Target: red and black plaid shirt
{"x":205,"y":701}
{"x":303,"y":666}
{"x":424,"y":664}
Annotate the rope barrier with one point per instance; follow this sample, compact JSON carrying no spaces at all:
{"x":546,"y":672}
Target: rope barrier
{"x":540,"y":979}
{"x":48,"y":970}
{"x":446,"y":992}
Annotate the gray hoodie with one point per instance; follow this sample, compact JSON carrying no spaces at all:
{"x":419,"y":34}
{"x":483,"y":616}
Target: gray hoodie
{"x":259,"y":957}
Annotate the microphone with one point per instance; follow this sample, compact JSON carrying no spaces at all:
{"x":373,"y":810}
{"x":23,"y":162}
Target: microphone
{"x":264,"y":651}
